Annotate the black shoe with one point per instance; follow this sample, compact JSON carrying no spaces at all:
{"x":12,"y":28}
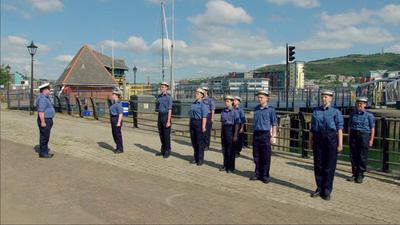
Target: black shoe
{"x":237,"y":155}
{"x":265,"y":181}
{"x":46,"y":155}
{"x":159,"y":154}
{"x":326,"y":197}
{"x":222,"y":168}
{"x":315,"y":194}
{"x":118,"y":151}
{"x":193,"y":161}
{"x":254,"y":178}
{"x":165,"y":156}
{"x":229,"y":171}
{"x":351,"y":179}
{"x":200,"y":163}
{"x":359,"y":179}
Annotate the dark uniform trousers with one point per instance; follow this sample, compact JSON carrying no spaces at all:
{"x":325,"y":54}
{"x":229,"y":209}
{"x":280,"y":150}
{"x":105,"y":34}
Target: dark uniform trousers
{"x":325,"y":159}
{"x":197,"y":137}
{"x":165,"y":134}
{"x":207,"y":134}
{"x":238,"y":144}
{"x":228,"y":150}
{"x":45,"y":135}
{"x":359,"y":146}
{"x":262,"y":153}
{"x":116,"y":132}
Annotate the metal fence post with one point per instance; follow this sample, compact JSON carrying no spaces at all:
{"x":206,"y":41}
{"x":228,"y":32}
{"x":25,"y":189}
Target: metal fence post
{"x":79,"y":106}
{"x":59,"y":104}
{"x":94,"y":108}
{"x":68,"y":105}
{"x":304,"y":153}
{"x":385,"y":145}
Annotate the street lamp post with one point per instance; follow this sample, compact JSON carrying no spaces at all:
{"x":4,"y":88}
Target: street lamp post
{"x":8,"y":68}
{"x":32,"y":51}
{"x":134,"y":74}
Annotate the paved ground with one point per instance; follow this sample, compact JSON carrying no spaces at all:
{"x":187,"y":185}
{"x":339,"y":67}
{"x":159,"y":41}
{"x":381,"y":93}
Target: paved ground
{"x":85,"y":182}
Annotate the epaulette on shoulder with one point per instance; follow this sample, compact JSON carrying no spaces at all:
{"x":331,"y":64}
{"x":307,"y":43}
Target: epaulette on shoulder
{"x":271,"y":106}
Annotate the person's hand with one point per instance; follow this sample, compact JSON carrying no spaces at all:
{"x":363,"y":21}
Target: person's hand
{"x":371,"y":142}
{"x":272,"y":140}
{"x":234,"y":138}
{"x":310,"y":144}
{"x":43,"y":124}
{"x":339,"y":148}
{"x":203,"y":129}
{"x":118,"y":124}
{"x":168,"y":125}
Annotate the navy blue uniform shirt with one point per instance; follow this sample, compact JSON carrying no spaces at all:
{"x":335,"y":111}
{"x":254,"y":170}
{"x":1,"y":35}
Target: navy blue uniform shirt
{"x":116,"y":108}
{"x":198,"y":110}
{"x":241,"y":114}
{"x":165,"y":103}
{"x":329,"y":119}
{"x":209,"y":102}
{"x":43,"y":104}
{"x":264,"y":118}
{"x":230,"y":117}
{"x":363,"y":121}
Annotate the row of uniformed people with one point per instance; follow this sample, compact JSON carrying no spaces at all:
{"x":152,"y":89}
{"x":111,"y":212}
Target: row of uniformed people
{"x":326,"y":134}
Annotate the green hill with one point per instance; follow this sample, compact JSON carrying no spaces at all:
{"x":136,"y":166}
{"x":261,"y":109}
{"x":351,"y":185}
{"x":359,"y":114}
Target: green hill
{"x":351,"y":65}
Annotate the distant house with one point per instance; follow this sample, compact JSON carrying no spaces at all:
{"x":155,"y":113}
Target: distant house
{"x":90,"y":74}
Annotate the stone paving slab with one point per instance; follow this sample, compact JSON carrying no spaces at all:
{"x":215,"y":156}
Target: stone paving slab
{"x":87,"y":183}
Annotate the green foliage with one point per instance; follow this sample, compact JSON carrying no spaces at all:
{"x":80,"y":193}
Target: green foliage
{"x":4,"y":76}
{"x":352,"y":65}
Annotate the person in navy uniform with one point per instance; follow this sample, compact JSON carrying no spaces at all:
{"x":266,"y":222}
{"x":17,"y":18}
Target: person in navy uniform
{"x":116,"y":112}
{"x":326,"y":140}
{"x":361,"y":137}
{"x":197,"y":124}
{"x":238,"y":144}
{"x":265,"y":121}
{"x":210,"y":116}
{"x":46,"y":114}
{"x":229,"y":130}
{"x":164,"y":120}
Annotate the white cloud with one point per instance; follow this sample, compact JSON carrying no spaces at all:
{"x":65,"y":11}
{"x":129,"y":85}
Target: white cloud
{"x":19,"y":11}
{"x":339,"y":21}
{"x":64,"y":58}
{"x":221,"y":12}
{"x":46,"y":6}
{"x":387,"y":15}
{"x":345,"y":38}
{"x":297,"y":3}
{"x":233,"y":43}
{"x":390,"y":14}
{"x":135,"y":45}
{"x":394,"y":49}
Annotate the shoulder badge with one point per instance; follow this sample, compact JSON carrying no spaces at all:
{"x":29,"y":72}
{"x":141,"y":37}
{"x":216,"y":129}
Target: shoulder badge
{"x":271,"y":106}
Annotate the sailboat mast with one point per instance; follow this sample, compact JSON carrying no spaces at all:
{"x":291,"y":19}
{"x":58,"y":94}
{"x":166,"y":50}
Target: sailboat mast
{"x":162,"y":38}
{"x":172,"y":53}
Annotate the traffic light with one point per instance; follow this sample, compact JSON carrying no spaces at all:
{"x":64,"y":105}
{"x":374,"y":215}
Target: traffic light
{"x":291,"y":53}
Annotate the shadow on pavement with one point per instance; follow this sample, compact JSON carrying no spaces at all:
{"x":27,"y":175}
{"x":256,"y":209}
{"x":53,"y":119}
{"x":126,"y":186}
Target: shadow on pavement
{"x":105,"y":145}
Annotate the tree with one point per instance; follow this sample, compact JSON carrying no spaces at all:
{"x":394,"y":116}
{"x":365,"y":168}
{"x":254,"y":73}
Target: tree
{"x":5,"y":78}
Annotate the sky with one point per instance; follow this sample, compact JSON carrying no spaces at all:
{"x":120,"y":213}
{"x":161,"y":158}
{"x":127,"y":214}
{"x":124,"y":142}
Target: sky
{"x":211,"y":37}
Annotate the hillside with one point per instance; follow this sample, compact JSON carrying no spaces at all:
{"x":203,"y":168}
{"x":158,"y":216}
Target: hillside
{"x":351,"y":65}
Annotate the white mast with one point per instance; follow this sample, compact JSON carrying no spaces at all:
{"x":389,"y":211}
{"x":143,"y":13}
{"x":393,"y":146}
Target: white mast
{"x":112,"y":53}
{"x":162,"y":38}
{"x":172,"y":54}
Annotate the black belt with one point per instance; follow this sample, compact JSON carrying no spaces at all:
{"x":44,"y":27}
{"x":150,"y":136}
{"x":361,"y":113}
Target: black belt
{"x":361,"y":131}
